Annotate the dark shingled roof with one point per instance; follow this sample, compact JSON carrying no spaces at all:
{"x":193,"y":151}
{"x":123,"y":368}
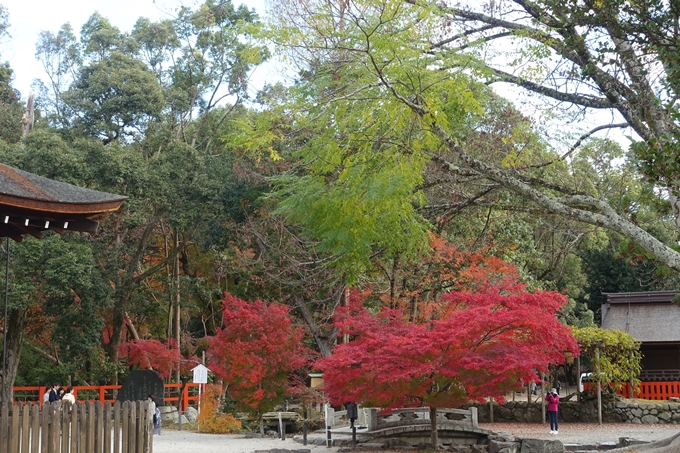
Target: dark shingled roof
{"x":30,"y":204}
{"x":649,"y":316}
{"x":22,"y":184}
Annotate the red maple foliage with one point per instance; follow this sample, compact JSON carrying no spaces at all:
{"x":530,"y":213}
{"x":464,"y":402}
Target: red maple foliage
{"x":152,"y":355}
{"x":256,"y":353}
{"x":482,"y":345}
{"x":418,"y":287}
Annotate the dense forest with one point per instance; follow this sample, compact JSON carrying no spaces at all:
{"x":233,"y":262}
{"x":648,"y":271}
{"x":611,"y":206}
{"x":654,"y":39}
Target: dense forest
{"x":390,"y":166}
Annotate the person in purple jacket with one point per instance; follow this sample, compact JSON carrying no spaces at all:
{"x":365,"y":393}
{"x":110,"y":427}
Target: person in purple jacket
{"x":553,"y":400}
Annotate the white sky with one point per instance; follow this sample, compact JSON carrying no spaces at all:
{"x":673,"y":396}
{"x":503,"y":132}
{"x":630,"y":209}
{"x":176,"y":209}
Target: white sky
{"x":29,"y":17}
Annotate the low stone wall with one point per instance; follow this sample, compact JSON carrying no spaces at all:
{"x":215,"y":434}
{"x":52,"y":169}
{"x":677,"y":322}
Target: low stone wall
{"x":613,"y":411}
{"x":649,"y":413}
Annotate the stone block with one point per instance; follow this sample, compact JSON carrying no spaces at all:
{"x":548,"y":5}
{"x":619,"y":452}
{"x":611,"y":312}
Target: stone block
{"x":621,"y":404}
{"x":649,"y":420}
{"x":541,"y":446}
{"x":666,"y":416}
{"x":508,"y":447}
{"x":191,"y":414}
{"x":176,"y":420}
{"x":637,"y":413}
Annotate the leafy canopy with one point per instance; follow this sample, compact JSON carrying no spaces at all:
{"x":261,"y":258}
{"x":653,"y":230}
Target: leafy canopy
{"x":256,"y":353}
{"x":482,"y":345}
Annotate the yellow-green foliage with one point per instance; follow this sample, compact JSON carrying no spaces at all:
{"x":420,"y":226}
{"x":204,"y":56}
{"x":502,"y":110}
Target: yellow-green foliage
{"x":614,"y":354}
{"x":209,"y":421}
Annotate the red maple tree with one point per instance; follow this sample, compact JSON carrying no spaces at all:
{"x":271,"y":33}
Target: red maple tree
{"x":152,"y":355}
{"x":257,"y":353}
{"x":482,"y":345}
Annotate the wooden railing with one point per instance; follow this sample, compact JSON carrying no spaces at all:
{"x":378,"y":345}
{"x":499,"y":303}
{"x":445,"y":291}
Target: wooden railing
{"x":104,"y":393}
{"x":90,"y":427}
{"x":661,"y":391}
{"x":653,"y":390}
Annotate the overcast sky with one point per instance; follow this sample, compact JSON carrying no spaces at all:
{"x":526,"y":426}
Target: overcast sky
{"x":29,"y":17}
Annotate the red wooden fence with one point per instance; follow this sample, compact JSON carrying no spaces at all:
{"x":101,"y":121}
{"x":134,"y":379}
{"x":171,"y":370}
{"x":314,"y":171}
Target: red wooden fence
{"x":657,"y":390}
{"x":103,"y":393}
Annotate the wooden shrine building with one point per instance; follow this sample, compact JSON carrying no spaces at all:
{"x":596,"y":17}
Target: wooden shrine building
{"x":653,"y":318}
{"x":31,"y":204}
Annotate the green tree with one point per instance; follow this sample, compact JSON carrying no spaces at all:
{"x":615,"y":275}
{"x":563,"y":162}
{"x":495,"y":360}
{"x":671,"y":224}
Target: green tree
{"x":385,"y":98}
{"x":614,"y":355}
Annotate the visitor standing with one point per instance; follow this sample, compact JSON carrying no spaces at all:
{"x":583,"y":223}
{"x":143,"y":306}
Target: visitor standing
{"x":553,"y":400}
{"x":156,"y":416}
{"x":54,"y":393}
{"x":68,"y":395}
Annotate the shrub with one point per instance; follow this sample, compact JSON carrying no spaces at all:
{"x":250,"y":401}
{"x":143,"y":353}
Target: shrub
{"x":209,"y":420}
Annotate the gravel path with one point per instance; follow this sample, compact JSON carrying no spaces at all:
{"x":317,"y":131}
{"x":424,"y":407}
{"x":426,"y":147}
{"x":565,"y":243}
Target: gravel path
{"x":172,"y":441}
{"x":582,"y":433}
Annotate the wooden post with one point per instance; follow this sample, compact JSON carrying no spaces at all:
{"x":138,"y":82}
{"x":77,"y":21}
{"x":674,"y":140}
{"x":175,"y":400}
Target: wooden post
{"x":65,"y":426}
{"x":26,"y":427}
{"x":543,"y":396}
{"x":578,"y":378}
{"x":107,"y":427}
{"x":632,"y":377}
{"x":125,"y":419}
{"x":491,"y":409}
{"x":599,"y":385}
{"x":75,"y":431}
{"x":14,"y":436}
{"x":117,"y":408}
{"x":529,"y":392}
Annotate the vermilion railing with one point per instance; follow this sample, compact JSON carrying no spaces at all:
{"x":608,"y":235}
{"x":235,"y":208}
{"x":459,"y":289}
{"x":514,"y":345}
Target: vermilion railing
{"x":34,"y":394}
{"x":660,"y":390}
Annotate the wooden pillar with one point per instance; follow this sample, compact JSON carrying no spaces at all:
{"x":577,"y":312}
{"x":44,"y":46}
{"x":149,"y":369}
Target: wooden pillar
{"x":599,"y":385}
{"x":491,"y":409}
{"x":578,"y":378}
{"x":543,"y":396}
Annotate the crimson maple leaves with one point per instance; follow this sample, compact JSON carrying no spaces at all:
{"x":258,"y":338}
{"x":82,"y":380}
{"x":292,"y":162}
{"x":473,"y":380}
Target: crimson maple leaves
{"x":482,"y":345}
{"x":257,"y":353}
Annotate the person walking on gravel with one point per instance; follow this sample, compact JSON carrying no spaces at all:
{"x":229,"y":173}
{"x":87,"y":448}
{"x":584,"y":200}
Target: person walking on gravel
{"x":553,"y":400}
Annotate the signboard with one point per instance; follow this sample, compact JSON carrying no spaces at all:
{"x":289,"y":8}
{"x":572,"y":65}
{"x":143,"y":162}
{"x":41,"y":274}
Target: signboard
{"x":140,"y":384}
{"x":200,"y":374}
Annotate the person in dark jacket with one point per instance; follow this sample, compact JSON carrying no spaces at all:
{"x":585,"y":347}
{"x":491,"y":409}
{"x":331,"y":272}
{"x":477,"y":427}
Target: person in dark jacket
{"x":553,"y":400}
{"x":54,"y":393}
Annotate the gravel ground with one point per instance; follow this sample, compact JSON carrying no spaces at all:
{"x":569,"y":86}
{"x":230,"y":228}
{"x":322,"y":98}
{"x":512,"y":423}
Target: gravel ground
{"x":581,"y":433}
{"x":172,"y":441}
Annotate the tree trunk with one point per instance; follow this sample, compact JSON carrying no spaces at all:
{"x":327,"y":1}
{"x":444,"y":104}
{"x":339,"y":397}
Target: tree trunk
{"x":175,"y":277}
{"x":324,"y":342}
{"x":16,"y":323}
{"x":433,"y":427}
{"x":118,"y":324}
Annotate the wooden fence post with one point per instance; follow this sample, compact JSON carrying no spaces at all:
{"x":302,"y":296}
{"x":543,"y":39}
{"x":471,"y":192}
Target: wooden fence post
{"x":117,"y":408}
{"x":107,"y":427}
{"x":74,"y":432}
{"x":35,"y":427}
